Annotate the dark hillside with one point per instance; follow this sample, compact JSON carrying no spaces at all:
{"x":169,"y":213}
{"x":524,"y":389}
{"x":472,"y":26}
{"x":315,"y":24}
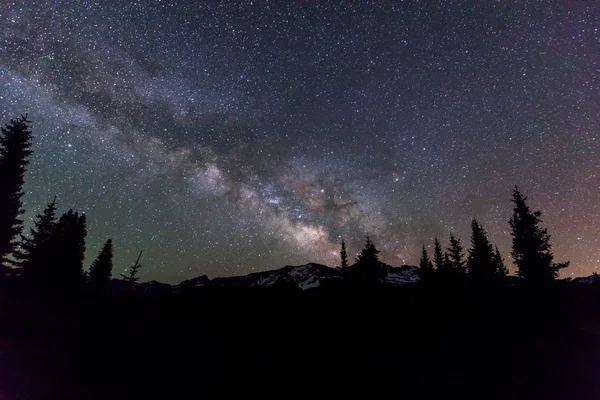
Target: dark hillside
{"x":428,"y":342}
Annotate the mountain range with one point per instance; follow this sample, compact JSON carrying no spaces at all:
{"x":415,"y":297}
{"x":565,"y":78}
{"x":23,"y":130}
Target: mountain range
{"x":300,"y":277}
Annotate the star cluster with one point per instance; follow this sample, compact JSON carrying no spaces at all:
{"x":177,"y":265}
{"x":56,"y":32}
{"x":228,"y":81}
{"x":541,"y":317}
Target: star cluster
{"x":227,"y":137}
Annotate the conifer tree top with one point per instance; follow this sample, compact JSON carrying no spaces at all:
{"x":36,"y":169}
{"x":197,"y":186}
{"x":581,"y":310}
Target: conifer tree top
{"x":531,"y":248}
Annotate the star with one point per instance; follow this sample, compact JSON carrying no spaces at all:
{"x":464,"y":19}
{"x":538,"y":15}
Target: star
{"x":226,"y":139}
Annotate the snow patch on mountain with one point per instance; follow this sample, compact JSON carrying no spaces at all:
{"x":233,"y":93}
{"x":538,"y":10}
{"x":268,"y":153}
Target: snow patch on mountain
{"x":398,"y":276}
{"x":303,"y":276}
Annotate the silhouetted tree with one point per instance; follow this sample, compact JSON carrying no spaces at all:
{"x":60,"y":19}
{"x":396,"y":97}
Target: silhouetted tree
{"x":367,"y":270}
{"x":344,"y":255}
{"x":35,"y":253}
{"x":457,"y":255}
{"x":15,"y":148}
{"x":531,"y":249}
{"x":69,"y":248}
{"x":101,"y":268}
{"x":369,"y":254}
{"x":501,"y":269}
{"x":426,"y":270}
{"x":480,"y":262}
{"x":132,"y":278}
{"x":438,"y":256}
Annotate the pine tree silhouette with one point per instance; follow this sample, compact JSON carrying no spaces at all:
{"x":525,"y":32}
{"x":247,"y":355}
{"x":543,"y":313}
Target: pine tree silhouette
{"x":531,"y":249}
{"x":480,"y":262}
{"x":35,"y":252}
{"x":369,"y":254}
{"x":344,"y":255}
{"x":438,"y":256}
{"x":501,"y":269}
{"x":15,"y":148}
{"x":426,"y":270}
{"x":101,"y":268}
{"x":69,"y":248}
{"x":457,"y":255}
{"x":132,"y":278}
{"x":367,"y":270}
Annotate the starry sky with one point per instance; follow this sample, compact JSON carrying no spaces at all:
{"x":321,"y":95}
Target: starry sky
{"x":223,"y":138}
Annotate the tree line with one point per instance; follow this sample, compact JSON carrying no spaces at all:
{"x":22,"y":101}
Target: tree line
{"x":52,"y":254}
{"x":53,"y":251}
{"x":531,"y":252}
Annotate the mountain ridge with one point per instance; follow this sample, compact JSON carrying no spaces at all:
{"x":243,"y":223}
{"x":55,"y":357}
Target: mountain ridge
{"x":300,"y":277}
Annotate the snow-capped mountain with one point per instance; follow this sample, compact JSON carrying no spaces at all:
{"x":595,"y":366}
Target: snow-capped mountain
{"x":398,"y":276}
{"x":302,"y":277}
{"x":309,"y":276}
{"x":197,"y":282}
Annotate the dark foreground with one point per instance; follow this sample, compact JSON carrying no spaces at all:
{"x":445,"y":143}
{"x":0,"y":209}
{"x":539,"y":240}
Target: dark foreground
{"x":411,"y":342}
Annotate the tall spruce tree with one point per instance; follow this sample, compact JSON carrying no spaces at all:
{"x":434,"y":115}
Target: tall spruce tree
{"x":35,"y":252}
{"x":438,"y":256}
{"x":344,"y":255}
{"x":501,"y":269}
{"x":368,"y":269}
{"x":69,"y":248}
{"x":15,"y":149}
{"x":426,"y":270}
{"x":457,"y":255}
{"x":480,"y":262}
{"x":101,"y":268}
{"x":531,"y":249}
{"x":369,"y":254}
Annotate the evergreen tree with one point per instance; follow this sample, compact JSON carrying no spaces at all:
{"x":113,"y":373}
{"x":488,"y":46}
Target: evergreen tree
{"x":101,"y":268}
{"x":369,"y":254}
{"x":35,"y":252}
{"x":531,"y":249}
{"x":69,"y":248}
{"x":426,"y":270}
{"x":367,"y":270}
{"x":457,"y":255}
{"x":132,"y":278}
{"x":344,"y":255}
{"x":501,"y":269}
{"x":15,"y":148}
{"x":480,"y":262}
{"x":438,"y":256}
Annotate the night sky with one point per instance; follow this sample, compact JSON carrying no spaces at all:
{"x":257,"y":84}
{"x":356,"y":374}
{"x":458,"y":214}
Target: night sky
{"x":230,"y":137}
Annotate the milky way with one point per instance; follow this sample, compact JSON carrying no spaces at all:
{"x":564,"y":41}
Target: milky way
{"x":228,"y":137}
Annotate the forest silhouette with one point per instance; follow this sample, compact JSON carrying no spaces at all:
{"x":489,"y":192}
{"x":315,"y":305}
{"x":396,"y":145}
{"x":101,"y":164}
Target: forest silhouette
{"x":465,"y":327}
